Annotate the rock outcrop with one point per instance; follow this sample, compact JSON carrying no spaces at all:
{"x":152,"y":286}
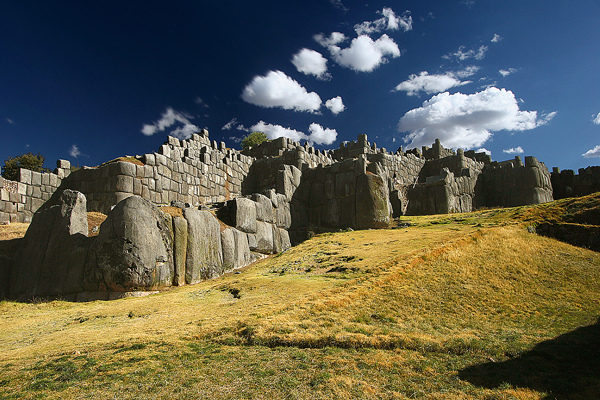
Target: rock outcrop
{"x":53,"y":254}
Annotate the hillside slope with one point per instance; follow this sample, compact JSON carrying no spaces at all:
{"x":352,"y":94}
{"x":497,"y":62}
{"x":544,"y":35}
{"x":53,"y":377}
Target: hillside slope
{"x":465,"y":306}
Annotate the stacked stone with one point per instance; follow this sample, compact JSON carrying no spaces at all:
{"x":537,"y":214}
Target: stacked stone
{"x":436,"y":151}
{"x":401,"y":169}
{"x":341,"y":195}
{"x":194,"y":171}
{"x":512,"y":183}
{"x":444,"y":193}
{"x":481,"y":156}
{"x":263,"y":219}
{"x":354,"y":149}
{"x":568,"y":184}
{"x":20,"y":199}
{"x":456,"y":164}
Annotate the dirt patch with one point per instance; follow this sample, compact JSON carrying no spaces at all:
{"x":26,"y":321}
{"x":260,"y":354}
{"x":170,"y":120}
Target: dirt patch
{"x":95,"y":219}
{"x":172,"y":211}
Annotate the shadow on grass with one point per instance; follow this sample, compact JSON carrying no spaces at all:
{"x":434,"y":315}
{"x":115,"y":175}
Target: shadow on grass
{"x":566,"y":367}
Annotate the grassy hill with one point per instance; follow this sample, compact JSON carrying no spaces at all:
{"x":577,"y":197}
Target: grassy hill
{"x":461,"y":306}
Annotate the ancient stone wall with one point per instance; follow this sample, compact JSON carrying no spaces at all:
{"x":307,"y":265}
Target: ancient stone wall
{"x":568,"y":184}
{"x":512,"y":183}
{"x":194,"y":171}
{"x":20,"y":199}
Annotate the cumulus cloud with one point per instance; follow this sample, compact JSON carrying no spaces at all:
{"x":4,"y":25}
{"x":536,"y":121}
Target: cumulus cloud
{"x":462,"y":54}
{"x":507,"y":72}
{"x":335,"y":105}
{"x":596,"y":119}
{"x":318,"y":134}
{"x":74,"y":151}
{"x":429,"y":83}
{"x":169,"y":118}
{"x":229,"y":125}
{"x":484,"y":150}
{"x":514,"y":150}
{"x":363,"y":54}
{"x":595,"y":152}
{"x":389,"y":21}
{"x":496,"y":38}
{"x":276,"y":89}
{"x":310,"y":62}
{"x":466,"y":121}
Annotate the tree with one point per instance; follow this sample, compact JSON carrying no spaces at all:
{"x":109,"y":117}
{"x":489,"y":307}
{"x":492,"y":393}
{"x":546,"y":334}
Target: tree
{"x":253,"y":139}
{"x":29,"y":161}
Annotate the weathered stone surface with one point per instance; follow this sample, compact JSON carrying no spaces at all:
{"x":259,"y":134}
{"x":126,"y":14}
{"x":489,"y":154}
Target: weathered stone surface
{"x":240,"y":213}
{"x":180,"y":231}
{"x":372,"y":203}
{"x":134,"y":250}
{"x":264,"y":238}
{"x":204,"y":251}
{"x":264,"y":208}
{"x":52,"y":257}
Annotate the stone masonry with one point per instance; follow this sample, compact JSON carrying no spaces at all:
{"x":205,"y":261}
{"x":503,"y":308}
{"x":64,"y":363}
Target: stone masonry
{"x":236,"y":206}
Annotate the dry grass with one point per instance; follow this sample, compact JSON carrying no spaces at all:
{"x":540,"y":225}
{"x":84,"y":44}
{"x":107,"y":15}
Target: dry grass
{"x":457,"y":307}
{"x":172,"y":211}
{"x":13,"y":231}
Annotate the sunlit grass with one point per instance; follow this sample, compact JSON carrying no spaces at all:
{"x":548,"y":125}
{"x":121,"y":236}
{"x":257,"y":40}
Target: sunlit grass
{"x":400,"y":313}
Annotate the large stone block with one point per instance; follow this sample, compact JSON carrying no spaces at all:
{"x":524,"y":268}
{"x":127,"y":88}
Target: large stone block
{"x":180,"y":242}
{"x":52,"y":257}
{"x":134,"y":250}
{"x":204,"y":251}
{"x":264,"y":238}
{"x":372,"y":204}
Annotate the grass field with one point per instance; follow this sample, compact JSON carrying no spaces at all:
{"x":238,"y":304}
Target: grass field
{"x":462,"y":306}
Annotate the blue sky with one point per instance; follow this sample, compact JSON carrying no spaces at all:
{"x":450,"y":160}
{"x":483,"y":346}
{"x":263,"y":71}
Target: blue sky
{"x":91,"y":81}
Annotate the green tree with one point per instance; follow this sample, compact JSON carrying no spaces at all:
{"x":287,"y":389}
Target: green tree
{"x":29,"y":161}
{"x":253,"y":139}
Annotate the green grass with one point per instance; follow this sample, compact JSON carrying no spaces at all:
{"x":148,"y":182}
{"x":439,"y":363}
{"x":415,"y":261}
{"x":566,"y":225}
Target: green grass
{"x":465,"y":306}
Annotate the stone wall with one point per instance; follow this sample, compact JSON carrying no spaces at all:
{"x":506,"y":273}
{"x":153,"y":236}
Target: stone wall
{"x":194,"y":171}
{"x":20,"y":199}
{"x":568,"y":184}
{"x":512,"y":183}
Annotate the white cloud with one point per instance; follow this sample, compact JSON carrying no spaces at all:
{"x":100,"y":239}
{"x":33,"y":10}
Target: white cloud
{"x":466,"y":121}
{"x":74,"y":151}
{"x":596,"y":119}
{"x":496,"y":38}
{"x":276,"y":89}
{"x":10,"y":121}
{"x":484,"y":150}
{"x":235,"y":139}
{"x":169,"y":118}
{"x":229,"y":125}
{"x":363,"y":54}
{"x":318,"y":134}
{"x":506,"y":72}
{"x":461,"y":54}
{"x":389,"y":21}
{"x":429,"y":83}
{"x":277,"y":131}
{"x":310,"y":62}
{"x":595,"y":152}
{"x":466,"y":72}
{"x":514,"y":150}
{"x":332,"y":40}
{"x":335,"y":105}
{"x":184,"y":132}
